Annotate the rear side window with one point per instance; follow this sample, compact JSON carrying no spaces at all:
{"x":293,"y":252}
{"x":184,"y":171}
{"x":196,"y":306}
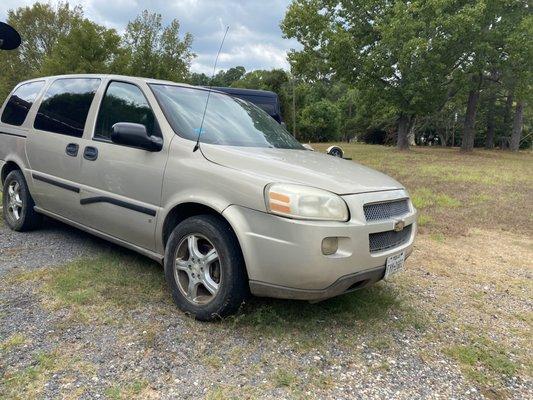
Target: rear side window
{"x":124,"y":102}
{"x":65,"y":106}
{"x":20,"y":102}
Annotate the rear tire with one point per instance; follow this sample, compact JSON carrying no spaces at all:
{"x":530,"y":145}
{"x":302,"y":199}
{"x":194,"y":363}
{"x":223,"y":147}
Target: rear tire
{"x":18,"y":204}
{"x":204,"y":268}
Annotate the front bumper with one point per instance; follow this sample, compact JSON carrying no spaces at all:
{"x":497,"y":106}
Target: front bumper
{"x":284,"y":257}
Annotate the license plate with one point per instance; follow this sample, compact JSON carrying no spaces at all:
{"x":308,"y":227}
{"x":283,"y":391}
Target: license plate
{"x":394,"y":264}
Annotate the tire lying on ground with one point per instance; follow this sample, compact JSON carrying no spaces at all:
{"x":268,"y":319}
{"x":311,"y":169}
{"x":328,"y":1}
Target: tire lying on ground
{"x":335,"y":151}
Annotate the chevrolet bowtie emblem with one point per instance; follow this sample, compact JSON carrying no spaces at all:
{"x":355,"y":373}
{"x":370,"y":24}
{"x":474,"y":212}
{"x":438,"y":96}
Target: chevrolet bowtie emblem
{"x":399,"y":225}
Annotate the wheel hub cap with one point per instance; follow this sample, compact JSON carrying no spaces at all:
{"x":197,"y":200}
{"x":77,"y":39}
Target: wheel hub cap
{"x":14,"y":201}
{"x":197,"y":269}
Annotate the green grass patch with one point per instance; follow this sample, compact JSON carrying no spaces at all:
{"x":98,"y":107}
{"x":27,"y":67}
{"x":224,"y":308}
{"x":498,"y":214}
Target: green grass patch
{"x":438,"y":237}
{"x":284,"y":378}
{"x":424,"y":220}
{"x":126,"y":391}
{"x":425,"y":197}
{"x":479,"y":198}
{"x":113,"y":279}
{"x":307,"y":325}
{"x":15,"y":340}
{"x":212,"y":361}
{"x":483,"y":360}
{"x":93,"y":287}
{"x":28,"y":383}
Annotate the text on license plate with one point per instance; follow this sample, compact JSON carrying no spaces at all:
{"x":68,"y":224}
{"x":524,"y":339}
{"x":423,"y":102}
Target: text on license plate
{"x":394,"y":264}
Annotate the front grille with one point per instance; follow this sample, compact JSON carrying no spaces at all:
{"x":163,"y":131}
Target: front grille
{"x":386,"y":210}
{"x":387,"y":240}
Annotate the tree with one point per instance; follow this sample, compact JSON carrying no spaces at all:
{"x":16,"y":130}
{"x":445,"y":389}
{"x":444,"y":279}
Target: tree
{"x":272,"y":80}
{"x":402,"y":53}
{"x":320,"y":121}
{"x":199,"y":79}
{"x":41,"y":27}
{"x":88,"y":48}
{"x":490,"y":25}
{"x":518,"y":124}
{"x":232,"y":75}
{"x":520,"y":70}
{"x":157,"y":52}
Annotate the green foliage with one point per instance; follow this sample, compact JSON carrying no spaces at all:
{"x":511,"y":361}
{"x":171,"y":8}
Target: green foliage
{"x":59,"y":40}
{"x":41,"y":26}
{"x":87,"y":48}
{"x":320,"y":121}
{"x":155,"y":51}
{"x":365,"y":69}
{"x":407,"y":60}
{"x":273,"y":80}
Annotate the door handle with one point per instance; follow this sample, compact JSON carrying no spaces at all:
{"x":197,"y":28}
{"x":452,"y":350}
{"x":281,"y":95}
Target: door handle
{"x":90,"y":153}
{"x":72,"y":149}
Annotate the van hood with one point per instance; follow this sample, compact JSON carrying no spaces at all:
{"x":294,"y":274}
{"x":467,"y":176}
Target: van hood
{"x":303,"y":167}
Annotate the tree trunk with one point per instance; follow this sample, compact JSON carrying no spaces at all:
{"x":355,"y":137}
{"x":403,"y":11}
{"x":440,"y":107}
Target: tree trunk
{"x":403,"y":130}
{"x":470,"y":119}
{"x":441,"y":135}
{"x":411,"y":136}
{"x":518,"y":124}
{"x":507,"y":110}
{"x":489,"y":143}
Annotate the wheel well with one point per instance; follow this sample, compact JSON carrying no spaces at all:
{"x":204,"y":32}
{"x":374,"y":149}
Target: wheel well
{"x":8,"y":167}
{"x":183,"y":211}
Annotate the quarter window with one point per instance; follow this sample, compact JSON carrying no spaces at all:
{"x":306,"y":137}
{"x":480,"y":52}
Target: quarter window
{"x":65,"y":106}
{"x":20,"y":102}
{"x":124,"y":102}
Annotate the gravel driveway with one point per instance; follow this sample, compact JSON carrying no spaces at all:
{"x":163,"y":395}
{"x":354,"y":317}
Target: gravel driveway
{"x":152,"y":350}
{"x":54,"y":244}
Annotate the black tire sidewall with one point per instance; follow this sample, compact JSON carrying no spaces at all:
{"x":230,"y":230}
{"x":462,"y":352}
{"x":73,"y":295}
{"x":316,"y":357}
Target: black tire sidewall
{"x":233,"y":285}
{"x":26,"y":221}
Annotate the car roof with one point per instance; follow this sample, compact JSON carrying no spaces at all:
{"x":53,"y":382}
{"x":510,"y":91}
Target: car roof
{"x":112,"y":76}
{"x":245,"y":92}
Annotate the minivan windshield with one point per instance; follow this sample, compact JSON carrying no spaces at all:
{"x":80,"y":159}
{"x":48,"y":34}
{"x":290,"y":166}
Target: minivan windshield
{"x":228,"y":120}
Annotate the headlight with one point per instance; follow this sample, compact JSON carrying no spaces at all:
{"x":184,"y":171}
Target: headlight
{"x":304,"y":202}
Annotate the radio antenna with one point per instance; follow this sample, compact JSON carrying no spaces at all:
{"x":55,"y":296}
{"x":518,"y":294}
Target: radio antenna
{"x":197,"y":145}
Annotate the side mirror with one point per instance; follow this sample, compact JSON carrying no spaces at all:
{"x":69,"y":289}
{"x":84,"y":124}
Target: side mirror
{"x":130,"y":134}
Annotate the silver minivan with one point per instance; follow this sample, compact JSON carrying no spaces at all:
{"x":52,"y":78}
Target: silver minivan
{"x":224,"y":197}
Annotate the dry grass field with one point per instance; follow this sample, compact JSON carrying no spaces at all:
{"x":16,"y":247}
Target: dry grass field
{"x":457,"y":323}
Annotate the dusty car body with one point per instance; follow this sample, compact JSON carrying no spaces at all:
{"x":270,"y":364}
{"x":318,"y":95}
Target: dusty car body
{"x":250,"y":211}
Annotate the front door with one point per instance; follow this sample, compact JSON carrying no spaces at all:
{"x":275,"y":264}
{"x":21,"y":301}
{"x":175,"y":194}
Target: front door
{"x":53,"y":145}
{"x":121,"y":190}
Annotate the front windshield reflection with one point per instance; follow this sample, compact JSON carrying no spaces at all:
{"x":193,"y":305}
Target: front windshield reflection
{"x":228,"y":121}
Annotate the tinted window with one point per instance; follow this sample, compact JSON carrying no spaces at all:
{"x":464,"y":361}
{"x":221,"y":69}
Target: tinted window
{"x":124,"y":102}
{"x":20,"y":102}
{"x":228,"y":120}
{"x":65,"y":106}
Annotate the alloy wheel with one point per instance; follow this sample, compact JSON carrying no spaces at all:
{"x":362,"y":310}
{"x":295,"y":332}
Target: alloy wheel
{"x":14,"y":201}
{"x":197,"y":269}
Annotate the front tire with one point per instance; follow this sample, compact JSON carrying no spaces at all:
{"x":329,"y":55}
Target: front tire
{"x":205,"y":269}
{"x":17,"y":204}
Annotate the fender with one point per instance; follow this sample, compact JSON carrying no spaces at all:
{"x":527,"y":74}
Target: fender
{"x":15,"y":158}
{"x":208,"y":199}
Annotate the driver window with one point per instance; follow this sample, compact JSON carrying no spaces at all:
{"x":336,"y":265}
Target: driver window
{"x":124,"y":102}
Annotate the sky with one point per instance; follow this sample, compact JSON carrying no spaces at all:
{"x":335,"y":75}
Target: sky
{"x":254,"y":39}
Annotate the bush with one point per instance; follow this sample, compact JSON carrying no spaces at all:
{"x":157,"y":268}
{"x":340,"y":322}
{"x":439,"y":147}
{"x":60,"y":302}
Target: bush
{"x":320,"y":122}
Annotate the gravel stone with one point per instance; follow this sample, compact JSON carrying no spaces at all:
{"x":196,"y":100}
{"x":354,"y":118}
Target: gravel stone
{"x":172,"y":362}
